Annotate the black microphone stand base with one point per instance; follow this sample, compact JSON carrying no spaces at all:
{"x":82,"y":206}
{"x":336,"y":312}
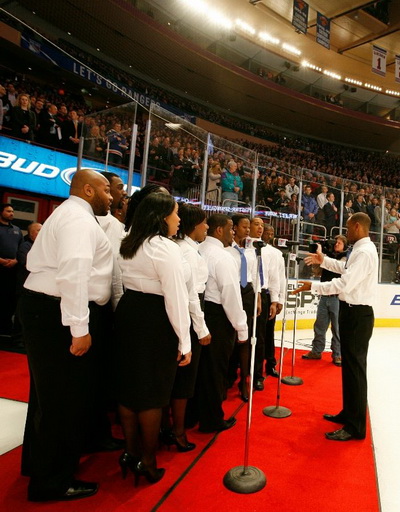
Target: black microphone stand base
{"x":245,"y":481}
{"x":292,"y":381}
{"x":275,"y":411}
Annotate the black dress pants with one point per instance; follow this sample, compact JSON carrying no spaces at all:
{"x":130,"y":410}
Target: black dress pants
{"x":60,"y":392}
{"x":355,"y":327}
{"x":213,"y":367}
{"x":265,"y":347}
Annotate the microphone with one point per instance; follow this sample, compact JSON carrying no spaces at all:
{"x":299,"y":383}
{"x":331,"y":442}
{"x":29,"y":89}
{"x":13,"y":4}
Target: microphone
{"x":284,"y":243}
{"x":258,"y":244}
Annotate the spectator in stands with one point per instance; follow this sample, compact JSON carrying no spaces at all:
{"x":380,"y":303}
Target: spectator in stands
{"x":268,"y":192}
{"x":347,"y":210}
{"x":117,"y":143}
{"x":359,"y":204}
{"x":281,"y":203}
{"x":321,"y":197}
{"x":37,"y":109}
{"x":371,"y":212}
{"x":62,"y":114}
{"x":231,"y":185}
{"x":310,"y":210}
{"x":23,"y":120}
{"x":71,"y":130}
{"x":393,"y":222}
{"x":330,"y":214}
{"x":291,"y":188}
{"x":12,"y":95}
{"x":94,"y":144}
{"x":213,"y":184}
{"x":293,"y":205}
{"x":49,"y":133}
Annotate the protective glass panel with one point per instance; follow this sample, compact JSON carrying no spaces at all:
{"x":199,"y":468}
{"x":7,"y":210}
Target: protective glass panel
{"x":230,"y":176}
{"x":176,"y":153}
{"x":108,"y":135}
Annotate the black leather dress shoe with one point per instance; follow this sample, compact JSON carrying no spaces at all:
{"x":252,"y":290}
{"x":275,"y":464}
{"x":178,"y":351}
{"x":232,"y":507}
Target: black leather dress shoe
{"x":259,"y":385}
{"x":341,"y":435}
{"x":226,"y":424}
{"x":273,"y":373}
{"x":76,"y":491}
{"x":334,"y":418}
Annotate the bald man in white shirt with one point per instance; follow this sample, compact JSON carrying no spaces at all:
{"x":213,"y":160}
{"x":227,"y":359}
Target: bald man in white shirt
{"x":356,"y":288}
{"x":224,"y":315}
{"x":70,"y":268}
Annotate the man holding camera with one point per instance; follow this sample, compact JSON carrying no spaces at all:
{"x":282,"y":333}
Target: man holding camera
{"x":328,"y":307}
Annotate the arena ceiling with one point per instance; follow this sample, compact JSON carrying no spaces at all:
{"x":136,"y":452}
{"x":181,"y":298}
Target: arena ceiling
{"x":170,"y":44}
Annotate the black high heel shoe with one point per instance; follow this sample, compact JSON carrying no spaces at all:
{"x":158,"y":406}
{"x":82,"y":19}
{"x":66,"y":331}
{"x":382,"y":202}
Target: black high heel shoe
{"x":127,"y":461}
{"x":243,"y":390}
{"x":152,"y":475}
{"x":180,"y":441}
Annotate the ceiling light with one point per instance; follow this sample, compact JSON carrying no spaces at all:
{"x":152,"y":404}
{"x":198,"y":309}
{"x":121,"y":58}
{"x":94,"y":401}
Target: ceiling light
{"x":332,"y":74}
{"x":291,"y":49}
{"x":245,"y":27}
{"x":264,"y":36}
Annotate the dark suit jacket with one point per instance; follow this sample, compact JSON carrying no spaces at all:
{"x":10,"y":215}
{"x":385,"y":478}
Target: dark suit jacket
{"x":68,"y":130}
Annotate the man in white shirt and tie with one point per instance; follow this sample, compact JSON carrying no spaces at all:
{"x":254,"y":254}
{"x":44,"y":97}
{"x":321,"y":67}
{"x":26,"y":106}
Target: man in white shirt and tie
{"x":70,"y":268}
{"x":272,"y":298}
{"x":356,"y":288}
{"x":224,"y":315}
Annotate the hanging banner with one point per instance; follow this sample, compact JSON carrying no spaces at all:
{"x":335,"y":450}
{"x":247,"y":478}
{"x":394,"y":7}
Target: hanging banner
{"x":397,"y":69}
{"x":379,"y":61}
{"x":323,"y":30}
{"x":300,"y":16}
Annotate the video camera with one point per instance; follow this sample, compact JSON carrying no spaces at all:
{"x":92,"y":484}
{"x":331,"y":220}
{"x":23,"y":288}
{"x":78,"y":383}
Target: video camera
{"x":328,"y":246}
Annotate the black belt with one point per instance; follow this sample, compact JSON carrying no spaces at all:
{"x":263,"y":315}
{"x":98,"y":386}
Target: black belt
{"x":346,"y":304}
{"x":41,"y":295}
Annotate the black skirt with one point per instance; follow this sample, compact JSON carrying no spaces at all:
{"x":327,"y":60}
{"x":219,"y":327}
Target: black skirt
{"x":146,"y":352}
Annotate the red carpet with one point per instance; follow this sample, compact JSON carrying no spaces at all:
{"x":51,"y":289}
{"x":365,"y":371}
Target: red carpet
{"x":304,"y":471}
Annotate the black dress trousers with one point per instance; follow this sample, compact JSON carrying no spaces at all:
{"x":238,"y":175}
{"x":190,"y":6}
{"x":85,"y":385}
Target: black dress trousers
{"x":213,"y":367}
{"x":60,"y":391}
{"x":355,"y":327}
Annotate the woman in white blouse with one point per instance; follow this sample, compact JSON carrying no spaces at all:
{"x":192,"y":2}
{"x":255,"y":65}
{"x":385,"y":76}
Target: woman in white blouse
{"x":193,"y":229}
{"x":152,"y":325}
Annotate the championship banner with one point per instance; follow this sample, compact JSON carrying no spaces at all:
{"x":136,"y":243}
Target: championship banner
{"x":379,"y":60}
{"x":323,"y":30}
{"x":300,"y":15}
{"x":397,"y":69}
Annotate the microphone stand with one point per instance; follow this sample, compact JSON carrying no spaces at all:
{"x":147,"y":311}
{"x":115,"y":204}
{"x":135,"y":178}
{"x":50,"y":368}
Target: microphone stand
{"x":291,"y":380}
{"x":277,"y":411}
{"x":248,"y":479}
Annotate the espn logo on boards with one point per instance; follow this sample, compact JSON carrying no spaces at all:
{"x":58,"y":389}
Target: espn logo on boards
{"x":395,"y":301}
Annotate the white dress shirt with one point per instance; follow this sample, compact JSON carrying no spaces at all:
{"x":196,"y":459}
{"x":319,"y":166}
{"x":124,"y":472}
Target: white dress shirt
{"x":358,"y":282}
{"x":158,"y":268}
{"x":251,"y":258}
{"x":196,"y":283}
{"x":72,"y":259}
{"x":114,"y":229}
{"x":321,"y":200}
{"x":223,"y":284}
{"x":115,"y":232}
{"x":274,"y":273}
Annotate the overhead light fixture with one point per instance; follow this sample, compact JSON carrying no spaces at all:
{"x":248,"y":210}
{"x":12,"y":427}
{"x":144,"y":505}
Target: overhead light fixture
{"x":291,"y":49}
{"x":332,"y":74}
{"x":267,"y":38}
{"x":245,"y":27}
